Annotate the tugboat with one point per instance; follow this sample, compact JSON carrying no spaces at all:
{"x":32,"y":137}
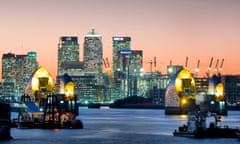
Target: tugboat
{"x":205,"y":125}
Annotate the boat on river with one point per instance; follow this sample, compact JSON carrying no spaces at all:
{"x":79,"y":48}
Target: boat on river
{"x":205,"y":125}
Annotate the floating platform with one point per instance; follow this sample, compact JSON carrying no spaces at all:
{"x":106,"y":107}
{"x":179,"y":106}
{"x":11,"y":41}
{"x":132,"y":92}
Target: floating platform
{"x":37,"y":123}
{"x":208,"y":133}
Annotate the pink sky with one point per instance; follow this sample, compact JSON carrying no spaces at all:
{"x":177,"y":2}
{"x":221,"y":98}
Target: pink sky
{"x":167,"y":29}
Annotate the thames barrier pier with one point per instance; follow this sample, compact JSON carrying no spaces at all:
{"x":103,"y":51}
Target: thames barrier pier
{"x":45,"y":109}
{"x":183,"y":94}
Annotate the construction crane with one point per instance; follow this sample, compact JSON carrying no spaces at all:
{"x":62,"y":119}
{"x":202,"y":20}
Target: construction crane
{"x":108,"y":65}
{"x":220,"y":68}
{"x":150,"y":65}
{"x":108,"y":70}
{"x":209,"y":68}
{"x":155,"y":64}
{"x":104,"y":63}
{"x":216,"y":66}
{"x":186,"y":62}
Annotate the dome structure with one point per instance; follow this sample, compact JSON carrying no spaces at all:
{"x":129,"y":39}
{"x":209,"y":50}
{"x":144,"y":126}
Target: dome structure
{"x":40,"y":82}
{"x":180,"y":89}
{"x":216,"y":87}
{"x":67,"y":86}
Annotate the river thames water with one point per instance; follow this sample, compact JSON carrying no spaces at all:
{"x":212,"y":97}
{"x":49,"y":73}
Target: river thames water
{"x":120,"y":126}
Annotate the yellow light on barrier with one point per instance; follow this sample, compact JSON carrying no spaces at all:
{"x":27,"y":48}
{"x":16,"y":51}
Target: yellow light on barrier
{"x":69,"y":90}
{"x":39,"y":80}
{"x":219,"y":91}
{"x":184,"y":101}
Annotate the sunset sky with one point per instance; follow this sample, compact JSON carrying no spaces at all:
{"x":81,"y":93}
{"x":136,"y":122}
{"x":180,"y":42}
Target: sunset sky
{"x":167,"y":29}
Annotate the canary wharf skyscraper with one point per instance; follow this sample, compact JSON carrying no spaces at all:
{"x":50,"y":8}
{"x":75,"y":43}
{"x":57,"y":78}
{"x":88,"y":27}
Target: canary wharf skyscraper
{"x":68,"y":52}
{"x":119,"y":43}
{"x":93,"y":52}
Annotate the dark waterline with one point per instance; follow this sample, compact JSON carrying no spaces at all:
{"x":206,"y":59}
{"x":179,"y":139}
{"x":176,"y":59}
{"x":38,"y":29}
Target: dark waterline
{"x":123,"y":126}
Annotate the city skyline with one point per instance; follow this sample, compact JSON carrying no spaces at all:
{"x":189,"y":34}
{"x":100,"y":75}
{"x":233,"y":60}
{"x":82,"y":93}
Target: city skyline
{"x":169,"y":30}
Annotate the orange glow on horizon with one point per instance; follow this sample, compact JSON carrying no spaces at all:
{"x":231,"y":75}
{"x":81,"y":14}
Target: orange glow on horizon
{"x":169,"y":30}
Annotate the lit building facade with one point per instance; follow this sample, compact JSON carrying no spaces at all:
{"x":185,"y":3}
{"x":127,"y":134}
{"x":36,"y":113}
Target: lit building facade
{"x":84,"y":83}
{"x":232,"y":89}
{"x":130,"y":71}
{"x":155,"y":87}
{"x":93,"y":52}
{"x":202,"y":89}
{"x":119,"y":43}
{"x":8,"y":67}
{"x":68,"y":51}
{"x":173,"y":69}
{"x":85,"y":88}
{"x":16,"y":72}
{"x":216,"y":99}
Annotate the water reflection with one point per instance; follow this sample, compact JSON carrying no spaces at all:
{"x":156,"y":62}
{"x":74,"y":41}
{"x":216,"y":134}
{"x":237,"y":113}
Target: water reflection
{"x":111,"y":126}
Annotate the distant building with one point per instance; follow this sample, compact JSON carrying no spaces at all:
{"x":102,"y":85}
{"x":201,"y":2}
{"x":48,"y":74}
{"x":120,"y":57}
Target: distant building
{"x":173,"y":69}
{"x":232,"y":89}
{"x":118,"y":44}
{"x":73,"y":68}
{"x":131,"y":66}
{"x":16,"y":72}
{"x":86,"y":89}
{"x":8,"y":67}
{"x":86,"y":75}
{"x":93,"y":52}
{"x":157,"y":87}
{"x":68,"y":51}
{"x":202,"y":84}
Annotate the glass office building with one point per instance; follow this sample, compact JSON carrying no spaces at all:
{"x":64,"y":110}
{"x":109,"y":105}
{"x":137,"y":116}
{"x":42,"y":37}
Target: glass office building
{"x":93,"y":52}
{"x":119,"y":43}
{"x":16,"y":72}
{"x":68,"y":51}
